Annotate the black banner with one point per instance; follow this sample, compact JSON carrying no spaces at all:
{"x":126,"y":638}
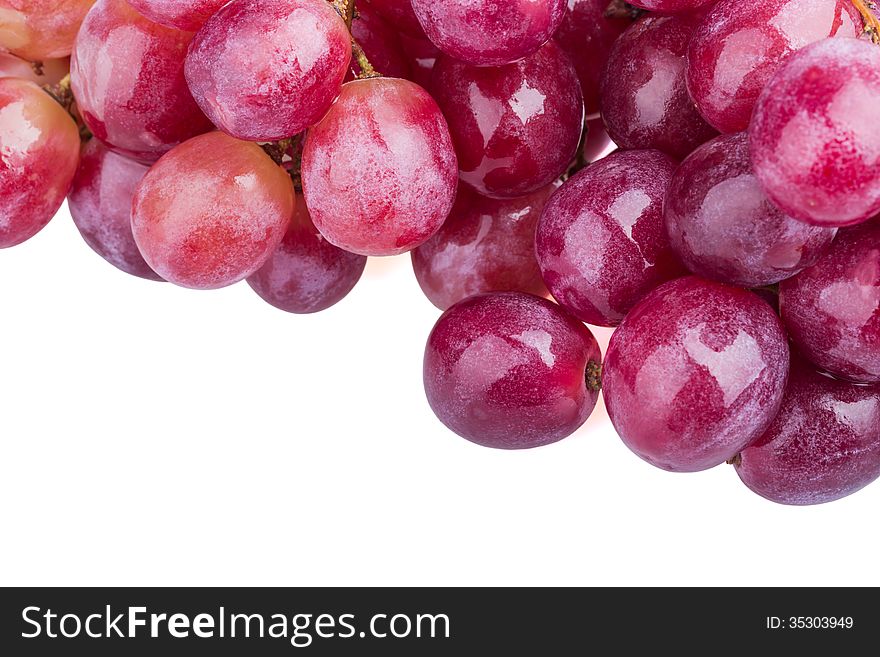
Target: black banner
{"x":431,"y":621}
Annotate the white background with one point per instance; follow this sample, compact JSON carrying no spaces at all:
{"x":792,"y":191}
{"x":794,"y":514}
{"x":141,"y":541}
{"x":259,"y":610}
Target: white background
{"x":153,"y":435}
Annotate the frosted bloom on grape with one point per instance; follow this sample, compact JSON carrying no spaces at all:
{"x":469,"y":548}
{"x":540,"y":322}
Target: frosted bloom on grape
{"x":265,"y":70}
{"x":306,"y":274}
{"x":187,"y":15}
{"x":127,"y":76}
{"x":601,"y":242}
{"x":669,"y":6}
{"x":100,"y":204}
{"x":724,"y":227}
{"x":211,"y":212}
{"x":740,"y":44}
{"x":823,"y":446}
{"x":40,"y":29}
{"x":379,"y":172}
{"x":486,"y":245}
{"x":695,"y":373}
{"x":39,"y":152}
{"x":832,"y":309}
{"x":815,"y":134}
{"x":517,"y":127}
{"x":489,"y":33}
{"x":511,"y":371}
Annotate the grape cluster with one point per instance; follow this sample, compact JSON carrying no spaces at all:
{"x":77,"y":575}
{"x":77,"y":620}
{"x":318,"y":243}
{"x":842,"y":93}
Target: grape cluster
{"x":732,"y":239}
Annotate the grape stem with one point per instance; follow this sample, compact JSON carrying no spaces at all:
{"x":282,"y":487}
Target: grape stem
{"x":287,"y":154}
{"x":621,"y":9}
{"x":872,"y":24}
{"x":594,"y":376}
{"x":736,"y":461}
{"x":63,"y":95}
{"x":346,"y":9}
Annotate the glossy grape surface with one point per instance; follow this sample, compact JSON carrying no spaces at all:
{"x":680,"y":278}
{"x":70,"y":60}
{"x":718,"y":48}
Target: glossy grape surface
{"x":670,"y":6}
{"x":832,"y":309}
{"x":517,"y":127}
{"x":186,"y":15}
{"x":645,"y":102}
{"x":211,"y":212}
{"x":381,"y":44}
{"x":100,"y":204}
{"x":306,"y":274}
{"x":602,"y":243}
{"x":695,"y":373}
{"x":40,"y":29}
{"x":489,"y":33}
{"x":815,"y":136}
{"x":127,"y":76}
{"x":400,"y":14}
{"x":740,"y":44}
{"x":39,"y":144}
{"x":823,"y":446}
{"x":724,"y":227}
{"x":264,"y":70}
{"x":508,"y":370}
{"x":486,"y":245}
{"x":379,"y":171}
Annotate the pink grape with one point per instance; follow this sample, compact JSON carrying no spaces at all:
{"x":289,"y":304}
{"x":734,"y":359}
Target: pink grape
{"x":645,"y":102}
{"x":51,"y":71}
{"x":381,"y":44}
{"x":724,"y":227}
{"x":100,"y":204}
{"x":398,"y":13}
{"x":823,"y":446}
{"x":265,"y":70}
{"x":211,"y":212}
{"x":510,"y":370}
{"x":186,"y":15}
{"x":486,"y":245}
{"x":422,"y":56}
{"x":395,"y":184}
{"x":669,"y":6}
{"x":39,"y":144}
{"x":815,"y":136}
{"x":127,"y":76}
{"x":602,"y":243}
{"x":486,"y":32}
{"x":517,"y":127}
{"x":695,"y":373}
{"x":832,"y":309}
{"x":587,"y":36}
{"x":306,"y":274}
{"x":740,"y":44}
{"x":37,"y":30}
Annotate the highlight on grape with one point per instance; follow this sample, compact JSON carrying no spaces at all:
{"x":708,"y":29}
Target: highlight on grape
{"x":701,"y":175}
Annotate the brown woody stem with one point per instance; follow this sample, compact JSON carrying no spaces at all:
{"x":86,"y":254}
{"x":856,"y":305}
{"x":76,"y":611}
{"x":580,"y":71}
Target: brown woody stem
{"x":872,"y":24}
{"x":621,"y":9}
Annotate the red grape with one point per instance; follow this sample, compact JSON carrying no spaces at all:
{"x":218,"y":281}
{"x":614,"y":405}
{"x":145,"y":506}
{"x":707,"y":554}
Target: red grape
{"x":40,"y":29}
{"x":695,"y":373}
{"x":127,"y":76}
{"x":601,"y":241}
{"x":645,"y":102}
{"x":669,"y":6}
{"x":587,"y":36}
{"x":379,"y":170}
{"x":398,"y":13}
{"x":39,"y":152}
{"x":740,"y":43}
{"x":187,"y":15}
{"x":307,"y":274}
{"x":832,"y":309}
{"x":49,"y":72}
{"x":486,"y":32}
{"x":486,"y":245}
{"x":100,"y":204}
{"x":510,"y":370}
{"x":381,"y":44}
{"x":723,"y":226}
{"x":815,"y":136}
{"x":597,"y":143}
{"x":211,"y":212}
{"x":264,"y":70}
{"x":517,"y":127}
{"x":823,"y":446}
{"x":422,"y":56}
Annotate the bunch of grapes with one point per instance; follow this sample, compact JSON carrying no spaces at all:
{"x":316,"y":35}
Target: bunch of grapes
{"x":732,"y":239}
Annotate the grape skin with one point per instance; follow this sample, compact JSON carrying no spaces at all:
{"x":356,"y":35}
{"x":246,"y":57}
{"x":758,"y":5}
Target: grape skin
{"x":400,"y":14}
{"x":695,"y":373}
{"x":186,"y":15}
{"x":211,"y":212}
{"x":100,"y":205}
{"x":381,"y":44}
{"x":39,"y":153}
{"x":37,"y":30}
{"x":52,"y":70}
